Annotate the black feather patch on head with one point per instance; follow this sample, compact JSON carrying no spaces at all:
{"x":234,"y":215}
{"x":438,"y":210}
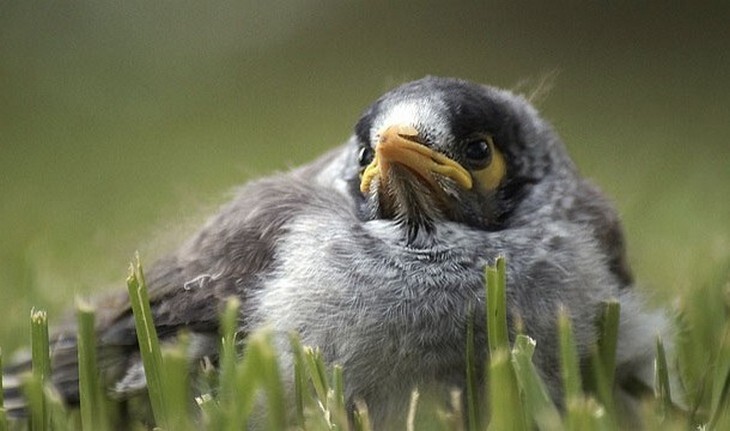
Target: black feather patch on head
{"x":459,"y":120}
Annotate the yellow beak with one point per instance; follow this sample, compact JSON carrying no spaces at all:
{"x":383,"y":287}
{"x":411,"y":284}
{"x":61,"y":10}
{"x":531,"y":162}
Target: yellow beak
{"x":399,"y":144}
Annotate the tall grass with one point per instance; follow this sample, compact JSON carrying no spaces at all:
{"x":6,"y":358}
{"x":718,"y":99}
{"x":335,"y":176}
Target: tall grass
{"x":248,"y":389}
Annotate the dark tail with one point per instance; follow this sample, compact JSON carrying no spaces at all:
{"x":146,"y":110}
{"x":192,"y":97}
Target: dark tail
{"x":14,"y":402}
{"x":64,"y":376}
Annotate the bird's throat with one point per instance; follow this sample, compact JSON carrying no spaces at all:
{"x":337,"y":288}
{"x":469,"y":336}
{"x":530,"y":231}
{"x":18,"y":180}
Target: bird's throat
{"x":410,"y":201}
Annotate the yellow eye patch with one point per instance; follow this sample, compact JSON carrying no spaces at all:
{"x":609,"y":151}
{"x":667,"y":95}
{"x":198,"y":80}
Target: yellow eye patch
{"x":490,"y":177}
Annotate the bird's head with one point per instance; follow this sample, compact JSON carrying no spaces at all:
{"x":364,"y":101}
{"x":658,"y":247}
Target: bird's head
{"x":441,"y":149}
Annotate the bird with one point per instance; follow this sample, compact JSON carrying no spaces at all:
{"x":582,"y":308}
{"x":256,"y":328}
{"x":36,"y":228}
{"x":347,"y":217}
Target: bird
{"x":375,"y":253}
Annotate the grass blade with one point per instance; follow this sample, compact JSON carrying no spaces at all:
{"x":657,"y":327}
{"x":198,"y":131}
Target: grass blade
{"x":721,"y":409}
{"x":244,"y":398}
{"x":58,"y":417}
{"x":300,"y":382}
{"x":3,"y":416}
{"x":228,"y":399}
{"x":316,"y":368}
{"x":498,"y":334}
{"x":661,"y":379}
{"x":176,"y":385}
{"x":336,"y":403}
{"x":2,"y":391}
{"x":577,"y":414}
{"x":412,"y":407}
{"x":260,"y":349}
{"x":33,"y":392}
{"x":40,"y":351}
{"x":537,"y":402}
{"x":721,"y":389}
{"x":569,"y":368}
{"x":149,"y":345}
{"x":603,"y":360}
{"x":608,"y":338}
{"x":229,"y":359}
{"x":586,"y":414}
{"x":361,"y":417}
{"x":452,"y":419}
{"x":92,"y":401}
{"x":471,"y":383}
{"x":506,"y":409}
{"x":41,"y":367}
{"x":504,"y":398}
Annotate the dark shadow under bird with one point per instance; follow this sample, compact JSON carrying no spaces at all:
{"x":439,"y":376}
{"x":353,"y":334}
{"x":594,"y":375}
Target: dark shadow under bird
{"x":375,"y":253}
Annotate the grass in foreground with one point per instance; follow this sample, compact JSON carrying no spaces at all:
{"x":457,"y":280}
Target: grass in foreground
{"x":518,"y":398}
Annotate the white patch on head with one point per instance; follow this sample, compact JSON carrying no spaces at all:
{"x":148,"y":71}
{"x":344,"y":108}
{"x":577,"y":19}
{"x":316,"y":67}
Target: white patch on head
{"x":424,"y":114}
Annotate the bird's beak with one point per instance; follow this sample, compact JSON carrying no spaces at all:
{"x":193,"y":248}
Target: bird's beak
{"x":400,"y":144}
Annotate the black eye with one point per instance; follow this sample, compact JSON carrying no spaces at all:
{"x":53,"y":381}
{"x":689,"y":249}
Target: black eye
{"x":478,"y":151}
{"x":365,"y":156}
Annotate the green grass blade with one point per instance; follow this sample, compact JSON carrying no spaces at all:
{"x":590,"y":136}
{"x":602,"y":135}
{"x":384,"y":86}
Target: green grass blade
{"x":577,"y":415}
{"x":454,"y":420}
{"x":537,"y":402}
{"x":229,"y":358}
{"x":498,"y":334}
{"x":58,"y":417}
{"x":176,"y":385}
{"x":210,"y":413}
{"x":608,"y":338}
{"x":299,"y":385}
{"x":91,"y":396}
{"x":207,"y":396}
{"x":41,"y":366}
{"x":505,"y":406}
{"x":720,"y":411}
{"x":316,"y":368}
{"x":228,"y":396}
{"x":721,"y":388}
{"x":703,"y":318}
{"x":86,"y":346}
{"x":247,"y":383}
{"x":586,"y":414}
{"x":149,"y":345}
{"x":603,"y":355}
{"x":661,"y":380}
{"x":412,"y":408}
{"x":338,"y":386}
{"x":599,"y":382}
{"x":361,"y":417}
{"x":3,"y":415}
{"x":2,"y":391}
{"x":569,"y":368}
{"x":336,"y":403}
{"x":40,"y":351}
{"x":471,"y":379}
{"x":300,"y":382}
{"x":33,"y":391}
{"x":261,"y":351}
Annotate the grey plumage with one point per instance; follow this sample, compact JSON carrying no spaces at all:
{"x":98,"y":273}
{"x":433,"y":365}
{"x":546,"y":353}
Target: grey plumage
{"x":381,"y":275}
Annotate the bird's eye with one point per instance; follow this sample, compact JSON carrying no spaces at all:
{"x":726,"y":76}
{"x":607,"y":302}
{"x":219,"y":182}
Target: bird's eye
{"x":479,"y":151}
{"x":365,"y":156}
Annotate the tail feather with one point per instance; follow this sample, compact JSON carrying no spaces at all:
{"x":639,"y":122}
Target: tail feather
{"x":12,"y":384}
{"x":120,"y":369}
{"x":64,"y":376}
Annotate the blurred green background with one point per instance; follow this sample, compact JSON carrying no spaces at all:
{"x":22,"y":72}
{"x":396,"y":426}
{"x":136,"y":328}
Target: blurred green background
{"x":122,"y":124}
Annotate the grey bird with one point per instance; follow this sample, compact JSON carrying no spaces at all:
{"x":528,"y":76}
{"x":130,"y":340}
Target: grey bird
{"x":375,"y":253}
